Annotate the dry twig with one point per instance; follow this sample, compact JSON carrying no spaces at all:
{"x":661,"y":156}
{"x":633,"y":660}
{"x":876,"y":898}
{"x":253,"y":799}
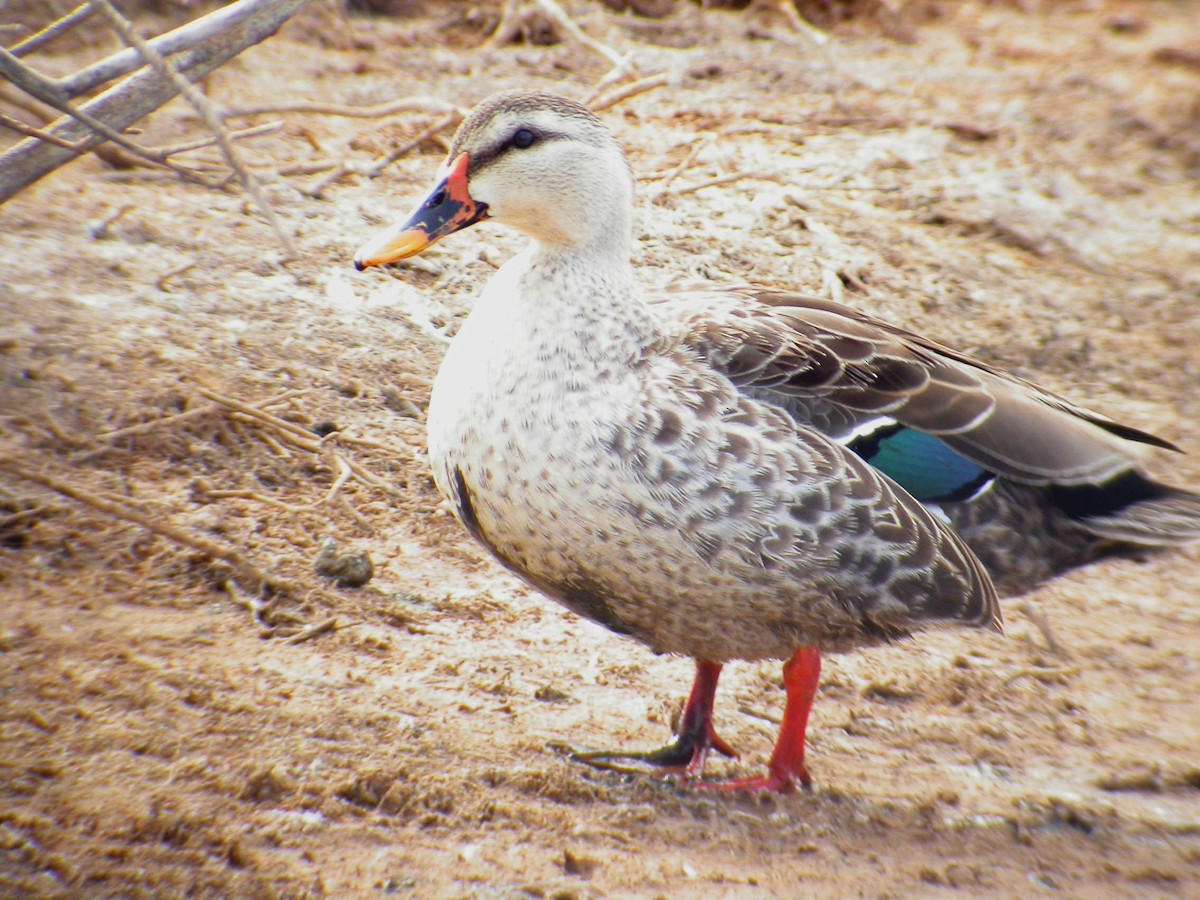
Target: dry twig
{"x":207,"y":112}
{"x":308,"y":632}
{"x":303,"y":439}
{"x":48,"y":93}
{"x":205,"y":43}
{"x":430,"y":105}
{"x":1043,"y":625}
{"x":649,"y":83}
{"x":722,"y":179}
{"x":559,"y":15}
{"x":29,"y":131}
{"x":240,"y":566}
{"x":39,"y":39}
{"x":375,"y":167}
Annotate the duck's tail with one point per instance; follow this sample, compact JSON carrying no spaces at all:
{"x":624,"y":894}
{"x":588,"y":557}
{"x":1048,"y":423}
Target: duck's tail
{"x":1133,"y":508}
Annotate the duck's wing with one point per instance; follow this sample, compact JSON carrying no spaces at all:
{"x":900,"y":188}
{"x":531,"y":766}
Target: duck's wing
{"x":855,"y":376}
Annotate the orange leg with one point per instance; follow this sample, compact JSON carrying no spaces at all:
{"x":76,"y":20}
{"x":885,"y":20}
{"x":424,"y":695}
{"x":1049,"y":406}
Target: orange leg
{"x":801,"y":674}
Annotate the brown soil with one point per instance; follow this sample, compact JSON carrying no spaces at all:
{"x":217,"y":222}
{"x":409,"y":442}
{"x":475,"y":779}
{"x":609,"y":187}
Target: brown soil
{"x":1020,"y":183}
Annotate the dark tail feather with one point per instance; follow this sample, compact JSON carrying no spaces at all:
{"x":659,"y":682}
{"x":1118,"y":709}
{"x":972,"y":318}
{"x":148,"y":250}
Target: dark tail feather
{"x":1133,"y":508}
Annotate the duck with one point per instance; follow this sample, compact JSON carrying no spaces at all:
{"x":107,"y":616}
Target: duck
{"x":735,"y":472}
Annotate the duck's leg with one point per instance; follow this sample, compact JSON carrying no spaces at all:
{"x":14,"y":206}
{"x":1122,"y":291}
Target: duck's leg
{"x":687,"y":753}
{"x":801,"y":674}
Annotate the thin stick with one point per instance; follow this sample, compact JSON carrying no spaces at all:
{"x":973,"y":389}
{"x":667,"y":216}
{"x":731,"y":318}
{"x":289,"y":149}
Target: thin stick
{"x":649,"y":83}
{"x":205,"y":108}
{"x":674,"y":173}
{"x":308,"y":632}
{"x":161,"y":281}
{"x":447,"y":121}
{"x":40,"y":88}
{"x":238,"y":563}
{"x":300,"y":438}
{"x":243,"y":494}
{"x":176,"y":418}
{"x":404,"y":104}
{"x":306,"y":437}
{"x":198,"y":143}
{"x":54,"y":29}
{"x":29,"y":131}
{"x":722,"y":179}
{"x":372,"y":169}
{"x":560,"y":16}
{"x":1043,"y":625}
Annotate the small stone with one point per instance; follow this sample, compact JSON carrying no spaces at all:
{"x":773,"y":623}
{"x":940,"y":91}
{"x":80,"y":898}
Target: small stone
{"x":353,"y":568}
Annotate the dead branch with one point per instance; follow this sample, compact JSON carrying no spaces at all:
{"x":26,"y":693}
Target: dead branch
{"x":430,"y":105}
{"x":207,"y":112}
{"x":241,"y":134}
{"x":186,"y":37}
{"x":122,"y":105}
{"x":1043,"y":625}
{"x":44,"y":90}
{"x":35,"y":41}
{"x":29,"y":131}
{"x":649,"y":83}
{"x":308,"y":632}
{"x":559,"y":15}
{"x":375,"y":167}
{"x":240,"y":566}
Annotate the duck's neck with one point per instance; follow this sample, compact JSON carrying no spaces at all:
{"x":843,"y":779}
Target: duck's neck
{"x":588,"y":296}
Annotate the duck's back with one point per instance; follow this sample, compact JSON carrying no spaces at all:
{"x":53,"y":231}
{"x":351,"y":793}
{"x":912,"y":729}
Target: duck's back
{"x":1034,"y":484}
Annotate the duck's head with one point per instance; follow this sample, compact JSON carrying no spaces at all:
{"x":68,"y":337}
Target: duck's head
{"x":538,"y":162}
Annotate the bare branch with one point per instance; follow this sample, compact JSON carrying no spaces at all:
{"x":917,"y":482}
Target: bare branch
{"x":29,"y":131}
{"x":207,"y":112}
{"x":54,"y":29}
{"x":44,"y":90}
{"x":185,"y":37}
{"x":122,"y":105}
{"x":559,"y":15}
{"x":649,"y":83}
{"x":241,"y":567}
{"x":404,"y":104}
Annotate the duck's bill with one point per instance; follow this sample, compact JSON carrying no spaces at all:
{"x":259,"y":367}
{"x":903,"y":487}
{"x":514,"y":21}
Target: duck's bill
{"x":448,"y":208}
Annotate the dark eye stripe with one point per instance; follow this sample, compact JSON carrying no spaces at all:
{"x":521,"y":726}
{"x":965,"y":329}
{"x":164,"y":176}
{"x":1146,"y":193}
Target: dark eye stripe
{"x":481,"y":159}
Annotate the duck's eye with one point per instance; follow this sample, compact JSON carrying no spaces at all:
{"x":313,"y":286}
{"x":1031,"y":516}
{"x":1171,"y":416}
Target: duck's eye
{"x":523,"y":139}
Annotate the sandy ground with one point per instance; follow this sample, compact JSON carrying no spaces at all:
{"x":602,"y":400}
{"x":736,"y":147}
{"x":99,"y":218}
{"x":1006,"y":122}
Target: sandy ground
{"x":1020,"y":183}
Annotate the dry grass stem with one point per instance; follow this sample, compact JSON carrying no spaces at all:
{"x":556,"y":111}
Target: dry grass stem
{"x":198,"y":143}
{"x":641,"y":86}
{"x":308,"y":632}
{"x":239,"y":565}
{"x":1043,"y":625}
{"x":303,"y":439}
{"x":728,"y":178}
{"x":29,"y":131}
{"x":372,"y":169}
{"x":430,"y":105}
{"x":559,"y":15}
